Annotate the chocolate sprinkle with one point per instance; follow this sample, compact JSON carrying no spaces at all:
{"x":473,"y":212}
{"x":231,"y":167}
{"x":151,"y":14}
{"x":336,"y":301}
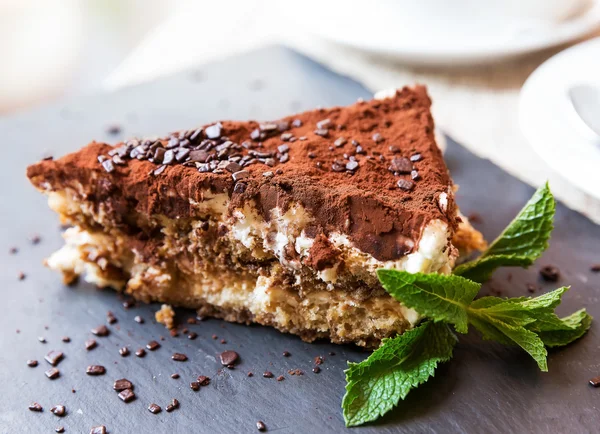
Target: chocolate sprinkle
{"x":316,"y":369}
{"x":406,"y":185}
{"x":286,"y":354}
{"x":54,"y":357}
{"x":154,"y":408}
{"x":268,"y":374}
{"x":152,"y":345}
{"x":98,"y":430}
{"x":175,"y":376}
{"x":32,"y":363}
{"x":140,"y":352}
{"x":95,"y":370}
{"x":59,"y":429}
{"x":595,"y":382}
{"x":127,"y":395}
{"x":179,"y":357}
{"x":66,"y":339}
{"x":52,"y":373}
{"x":195,"y":386}
{"x":229,"y":357}
{"x":122,"y":384}
{"x":90,"y":344}
{"x":401,"y":165}
{"x":192,"y":335}
{"x":260,"y":425}
{"x":124,"y":351}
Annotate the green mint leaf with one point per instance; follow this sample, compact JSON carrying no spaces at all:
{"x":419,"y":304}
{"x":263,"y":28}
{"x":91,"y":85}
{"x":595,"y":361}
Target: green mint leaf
{"x":436,"y":296}
{"x":578,"y":324}
{"x":376,"y":385}
{"x":521,"y":243}
{"x":528,"y":322}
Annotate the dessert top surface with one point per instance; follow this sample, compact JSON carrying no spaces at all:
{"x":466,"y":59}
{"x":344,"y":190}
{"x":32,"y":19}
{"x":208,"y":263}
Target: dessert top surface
{"x":371,"y":171}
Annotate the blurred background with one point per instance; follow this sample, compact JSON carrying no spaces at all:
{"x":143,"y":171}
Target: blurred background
{"x":515,"y":81}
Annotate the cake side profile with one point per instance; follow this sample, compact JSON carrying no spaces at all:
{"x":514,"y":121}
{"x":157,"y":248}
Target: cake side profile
{"x":279,"y":223}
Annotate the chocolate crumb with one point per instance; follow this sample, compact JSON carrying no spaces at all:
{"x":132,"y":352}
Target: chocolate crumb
{"x":32,"y":363}
{"x":280,"y":378}
{"x":268,"y":374}
{"x":66,"y":339}
{"x":531,"y":288}
{"x":195,"y":386}
{"x":34,"y":406}
{"x":124,"y":351}
{"x":21,"y":275}
{"x":316,"y":369}
{"x":90,"y":344}
{"x":228,"y":357}
{"x":550,"y":273}
{"x":286,"y":354}
{"x":101,"y":429}
{"x":113,"y":129}
{"x":203,"y":380}
{"x":100,"y":331}
{"x":172,"y":406}
{"x":319,"y":360}
{"x":260,"y":425}
{"x":58,"y":410}
{"x":250,"y":374}
{"x":95,"y":370}
{"x":192,"y":335}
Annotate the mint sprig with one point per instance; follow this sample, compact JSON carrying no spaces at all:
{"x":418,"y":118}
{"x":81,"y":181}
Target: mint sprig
{"x":521,"y":243}
{"x":377,"y":384}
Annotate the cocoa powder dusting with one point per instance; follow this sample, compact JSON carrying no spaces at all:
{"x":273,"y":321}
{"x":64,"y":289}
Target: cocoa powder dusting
{"x":348,"y":187}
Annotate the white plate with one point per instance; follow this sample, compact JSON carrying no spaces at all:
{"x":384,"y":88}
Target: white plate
{"x":548,"y":120}
{"x":439,"y":41}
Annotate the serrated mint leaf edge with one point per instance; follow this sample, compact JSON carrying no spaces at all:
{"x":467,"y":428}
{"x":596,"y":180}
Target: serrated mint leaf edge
{"x":422,"y":375}
{"x":482,"y":268}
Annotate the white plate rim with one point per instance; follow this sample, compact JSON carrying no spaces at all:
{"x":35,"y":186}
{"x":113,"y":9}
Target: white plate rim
{"x":548,"y":136}
{"x":562,"y":33}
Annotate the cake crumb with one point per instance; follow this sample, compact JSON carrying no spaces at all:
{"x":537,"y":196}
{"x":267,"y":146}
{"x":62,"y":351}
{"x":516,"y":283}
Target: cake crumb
{"x":165,"y":316}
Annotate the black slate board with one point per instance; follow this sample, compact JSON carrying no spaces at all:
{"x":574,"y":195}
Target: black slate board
{"x":486,"y":388}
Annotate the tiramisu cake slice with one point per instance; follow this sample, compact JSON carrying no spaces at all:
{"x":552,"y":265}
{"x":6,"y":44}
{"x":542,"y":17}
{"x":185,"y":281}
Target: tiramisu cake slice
{"x":279,"y":223}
